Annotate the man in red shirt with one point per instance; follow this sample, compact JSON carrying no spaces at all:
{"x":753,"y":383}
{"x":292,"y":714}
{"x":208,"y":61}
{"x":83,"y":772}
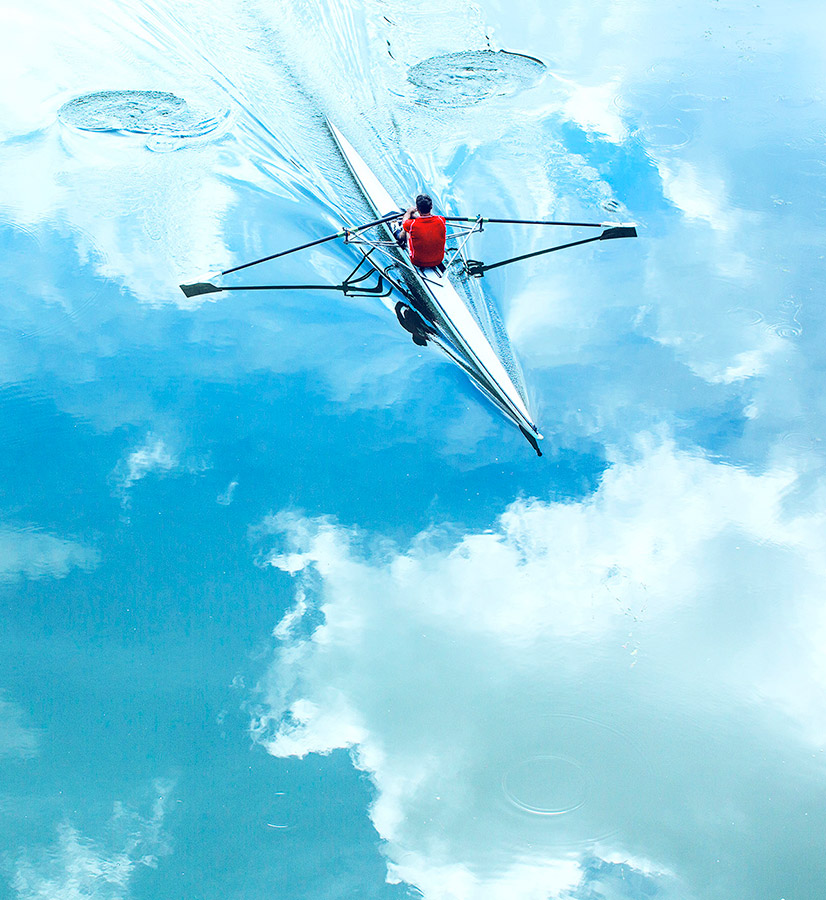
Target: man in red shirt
{"x":425,"y":234}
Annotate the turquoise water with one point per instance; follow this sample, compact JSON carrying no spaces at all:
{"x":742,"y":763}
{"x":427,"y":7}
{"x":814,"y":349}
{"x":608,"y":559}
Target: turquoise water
{"x":287,"y":609}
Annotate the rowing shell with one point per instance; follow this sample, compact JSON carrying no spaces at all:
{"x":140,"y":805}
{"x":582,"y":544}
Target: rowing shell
{"x":446,"y":309}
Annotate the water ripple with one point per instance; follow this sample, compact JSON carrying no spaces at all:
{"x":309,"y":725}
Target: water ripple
{"x":788,"y":325}
{"x":472,"y":76}
{"x":575,"y":785}
{"x":639,"y":101}
{"x":746,"y":316}
{"x":141,"y":112}
{"x":689,"y":102}
{"x":665,"y":137}
{"x":546,"y":785}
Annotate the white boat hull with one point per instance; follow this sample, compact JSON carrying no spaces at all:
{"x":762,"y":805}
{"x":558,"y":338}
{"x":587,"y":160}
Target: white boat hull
{"x":448,"y":311}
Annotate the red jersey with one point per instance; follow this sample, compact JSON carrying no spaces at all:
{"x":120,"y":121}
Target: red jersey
{"x":427,"y":240}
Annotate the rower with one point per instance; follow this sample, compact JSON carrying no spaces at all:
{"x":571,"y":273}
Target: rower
{"x":425,"y":234}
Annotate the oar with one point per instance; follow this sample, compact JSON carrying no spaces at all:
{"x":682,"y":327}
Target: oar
{"x":476,"y":268}
{"x":203,"y":287}
{"x":206,"y":287}
{"x":530,"y":222}
{"x":350,"y":287}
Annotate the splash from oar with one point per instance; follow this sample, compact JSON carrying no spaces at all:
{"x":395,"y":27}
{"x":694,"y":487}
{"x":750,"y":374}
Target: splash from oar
{"x":140,"y":112}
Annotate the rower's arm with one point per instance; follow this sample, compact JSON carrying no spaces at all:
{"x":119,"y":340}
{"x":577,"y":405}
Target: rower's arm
{"x":410,"y":214}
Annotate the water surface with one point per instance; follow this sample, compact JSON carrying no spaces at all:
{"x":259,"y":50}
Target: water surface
{"x":287,"y":608}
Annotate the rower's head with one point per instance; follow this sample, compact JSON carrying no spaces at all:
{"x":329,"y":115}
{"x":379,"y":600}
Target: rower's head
{"x":424,"y":204}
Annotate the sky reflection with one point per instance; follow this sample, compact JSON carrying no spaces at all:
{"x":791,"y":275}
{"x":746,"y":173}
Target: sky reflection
{"x":679,"y":606}
{"x":597,"y":675}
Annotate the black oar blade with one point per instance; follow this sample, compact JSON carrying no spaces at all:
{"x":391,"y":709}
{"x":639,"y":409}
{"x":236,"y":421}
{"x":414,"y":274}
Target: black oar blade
{"x":620,"y":231}
{"x":200,"y":287}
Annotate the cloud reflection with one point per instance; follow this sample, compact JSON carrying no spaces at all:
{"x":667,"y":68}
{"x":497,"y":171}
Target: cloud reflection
{"x":17,"y":739}
{"x":77,"y":866}
{"x":678,"y":605}
{"x":29,"y":552}
{"x":153,"y":456}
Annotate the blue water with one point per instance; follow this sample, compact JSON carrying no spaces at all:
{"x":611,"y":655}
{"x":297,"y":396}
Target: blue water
{"x":288,"y":610}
